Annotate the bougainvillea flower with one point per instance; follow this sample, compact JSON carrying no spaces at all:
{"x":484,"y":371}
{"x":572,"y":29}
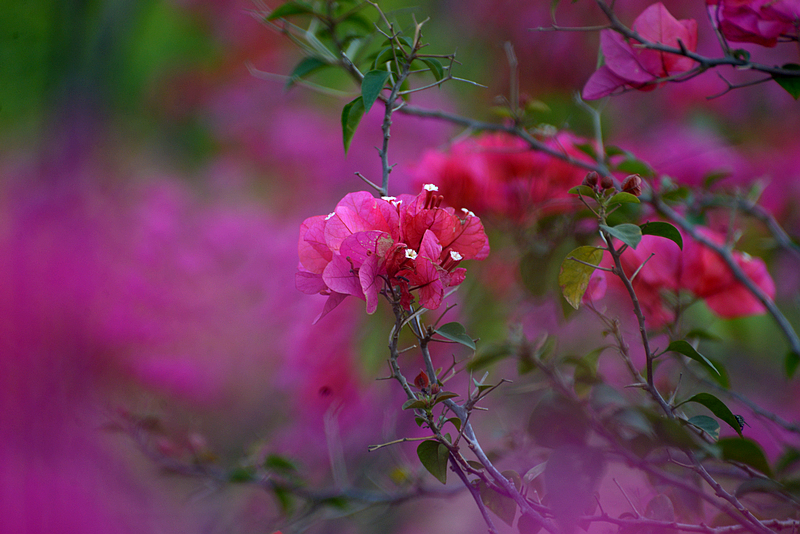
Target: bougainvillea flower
{"x":698,"y":270}
{"x":707,"y":276}
{"x":754,"y":21}
{"x":661,"y":273}
{"x":369,"y":245}
{"x":498,"y":174}
{"x":628,"y":66}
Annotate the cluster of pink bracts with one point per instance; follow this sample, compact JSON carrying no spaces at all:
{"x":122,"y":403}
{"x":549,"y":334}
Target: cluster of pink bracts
{"x":370,"y":245}
{"x":698,"y":270}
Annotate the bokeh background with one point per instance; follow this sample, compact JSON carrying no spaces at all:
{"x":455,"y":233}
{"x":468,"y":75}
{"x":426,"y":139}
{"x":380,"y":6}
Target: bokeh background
{"x":151,"y":191}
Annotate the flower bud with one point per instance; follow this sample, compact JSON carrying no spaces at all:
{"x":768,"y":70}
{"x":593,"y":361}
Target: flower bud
{"x":592,"y":179}
{"x":606,"y":182}
{"x":422,"y":381}
{"x":632,"y":185}
{"x":435,"y":388}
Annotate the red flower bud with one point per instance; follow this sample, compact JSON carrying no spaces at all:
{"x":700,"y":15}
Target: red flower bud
{"x":606,"y":182}
{"x":435,"y":388}
{"x":632,"y":185}
{"x":592,"y":179}
{"x":422,"y":381}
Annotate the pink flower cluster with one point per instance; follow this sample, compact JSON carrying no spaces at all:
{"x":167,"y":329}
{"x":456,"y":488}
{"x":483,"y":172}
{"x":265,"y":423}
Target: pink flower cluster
{"x":697,"y":269}
{"x":368,"y":245}
{"x":628,"y":66}
{"x":755,"y":21}
{"x":498,"y":174}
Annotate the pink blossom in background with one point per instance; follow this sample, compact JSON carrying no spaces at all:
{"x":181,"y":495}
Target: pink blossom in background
{"x":145,"y":295}
{"x":754,"y":21}
{"x":661,"y":273}
{"x":706,"y":276}
{"x":629,"y":67}
{"x":697,"y":269}
{"x":498,"y":175}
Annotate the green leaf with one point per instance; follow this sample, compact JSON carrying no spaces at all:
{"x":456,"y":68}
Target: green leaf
{"x":683,"y":347}
{"x":790,"y":363}
{"x":503,"y":507}
{"x":415,"y":404}
{"x":789,"y":458}
{"x":434,"y":456}
{"x":628,"y":233}
{"x":351,"y":116}
{"x":294,"y":7}
{"x":790,"y":83}
{"x":663,"y":229}
{"x":631,"y":165}
{"x":304,"y":68}
{"x":284,"y":498}
{"x":717,"y":407}
{"x":573,"y":278}
{"x":587,"y":149}
{"x":707,"y":424}
{"x":383,"y":56}
{"x":722,"y":378}
{"x":759,"y":485}
{"x":456,"y":422}
{"x":242,"y":474}
{"x":699,"y":333}
{"x":371,"y":86}
{"x":279,"y":463}
{"x":584,"y":190}
{"x":362,"y":21}
{"x":436,"y":67}
{"x":745,"y":451}
{"x":623,"y":198}
{"x":456,"y":332}
{"x":673,"y":432}
{"x":714,"y":177}
{"x":443,"y":396}
{"x":678,"y":194}
{"x":338,"y":502}
{"x":613,"y":150}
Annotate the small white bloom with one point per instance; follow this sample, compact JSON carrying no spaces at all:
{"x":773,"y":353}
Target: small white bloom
{"x":331,"y":214}
{"x":467,"y":212}
{"x":456,"y":256}
{"x":430,"y":187}
{"x":389,"y":199}
{"x":411,"y":254}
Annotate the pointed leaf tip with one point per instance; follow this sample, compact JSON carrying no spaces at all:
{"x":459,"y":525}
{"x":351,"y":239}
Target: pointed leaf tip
{"x":576,"y":270}
{"x":351,"y":116}
{"x":371,"y":87}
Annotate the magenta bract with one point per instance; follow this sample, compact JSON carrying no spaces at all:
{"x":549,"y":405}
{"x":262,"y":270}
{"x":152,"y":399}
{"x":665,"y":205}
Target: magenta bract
{"x":628,"y":66}
{"x":368,"y":245}
{"x":754,"y":21}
